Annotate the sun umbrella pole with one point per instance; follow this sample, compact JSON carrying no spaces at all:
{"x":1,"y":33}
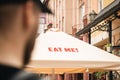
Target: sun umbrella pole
{"x":86,"y":74}
{"x":53,"y":74}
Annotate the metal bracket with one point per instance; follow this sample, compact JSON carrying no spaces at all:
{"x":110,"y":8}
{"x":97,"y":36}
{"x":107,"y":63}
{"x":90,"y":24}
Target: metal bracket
{"x":117,"y":15}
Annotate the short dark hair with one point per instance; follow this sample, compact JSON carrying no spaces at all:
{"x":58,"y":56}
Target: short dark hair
{"x":50,"y":24}
{"x":44,"y":8}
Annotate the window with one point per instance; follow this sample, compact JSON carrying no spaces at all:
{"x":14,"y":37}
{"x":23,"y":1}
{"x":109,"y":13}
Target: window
{"x":82,"y":14}
{"x":62,"y":23}
{"x":100,"y":5}
{"x":56,"y":3}
{"x":42,"y":22}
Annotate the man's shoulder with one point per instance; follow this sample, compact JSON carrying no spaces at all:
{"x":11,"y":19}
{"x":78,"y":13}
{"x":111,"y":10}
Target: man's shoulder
{"x":22,"y":75}
{"x":12,"y":73}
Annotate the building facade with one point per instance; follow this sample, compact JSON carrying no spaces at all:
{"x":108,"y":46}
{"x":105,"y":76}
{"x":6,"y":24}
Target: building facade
{"x":67,"y":15}
{"x":72,"y":16}
{"x":100,"y":38}
{"x":58,"y":19}
{"x":105,"y":29}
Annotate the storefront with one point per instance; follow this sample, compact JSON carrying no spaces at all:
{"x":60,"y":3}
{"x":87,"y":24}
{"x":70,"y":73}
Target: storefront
{"x":107,"y":22}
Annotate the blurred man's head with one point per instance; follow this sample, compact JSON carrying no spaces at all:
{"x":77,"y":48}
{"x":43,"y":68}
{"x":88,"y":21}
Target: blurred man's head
{"x":19,"y":23}
{"x":49,"y":25}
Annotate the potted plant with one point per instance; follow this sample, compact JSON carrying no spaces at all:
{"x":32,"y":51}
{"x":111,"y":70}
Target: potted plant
{"x":99,"y":75}
{"x":108,"y":47}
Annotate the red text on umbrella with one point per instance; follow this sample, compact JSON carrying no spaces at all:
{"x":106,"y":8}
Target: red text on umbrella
{"x":58,"y":49}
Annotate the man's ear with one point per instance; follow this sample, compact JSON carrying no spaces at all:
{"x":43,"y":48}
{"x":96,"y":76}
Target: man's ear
{"x":28,"y":15}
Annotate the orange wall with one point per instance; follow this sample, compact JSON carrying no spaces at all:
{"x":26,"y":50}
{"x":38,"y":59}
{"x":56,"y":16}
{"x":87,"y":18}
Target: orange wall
{"x":107,"y":2}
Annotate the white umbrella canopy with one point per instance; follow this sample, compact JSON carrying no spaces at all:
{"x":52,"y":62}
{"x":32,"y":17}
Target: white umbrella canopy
{"x":56,"y":49}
